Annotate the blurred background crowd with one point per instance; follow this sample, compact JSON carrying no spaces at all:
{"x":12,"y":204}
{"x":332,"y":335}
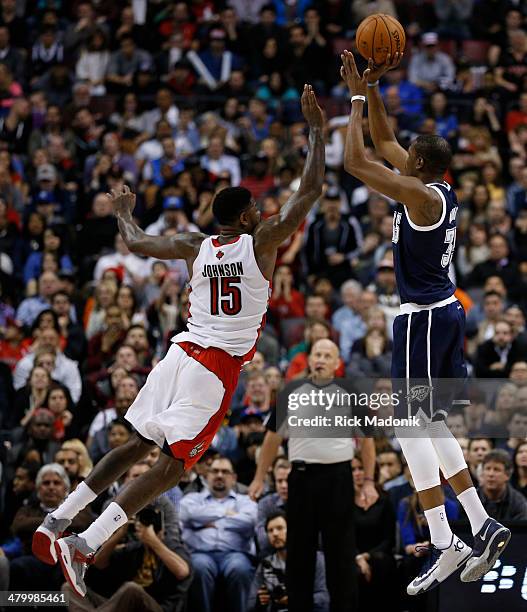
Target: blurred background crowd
{"x":179,"y":99}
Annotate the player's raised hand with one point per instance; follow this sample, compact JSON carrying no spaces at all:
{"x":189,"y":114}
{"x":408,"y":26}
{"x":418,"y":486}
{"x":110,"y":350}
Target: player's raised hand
{"x":356,"y":83}
{"x":310,"y":108}
{"x":123,"y":200}
{"x":376,"y":72}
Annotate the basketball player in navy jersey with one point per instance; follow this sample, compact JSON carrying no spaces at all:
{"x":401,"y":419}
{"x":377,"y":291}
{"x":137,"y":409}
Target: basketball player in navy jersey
{"x":428,"y":334}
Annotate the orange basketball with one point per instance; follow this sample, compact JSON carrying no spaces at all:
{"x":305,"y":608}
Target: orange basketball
{"x":378,"y":35}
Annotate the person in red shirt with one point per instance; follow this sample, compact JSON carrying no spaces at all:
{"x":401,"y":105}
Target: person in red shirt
{"x":286,"y":302}
{"x":517,"y":116}
{"x":11,"y":349}
{"x":299,"y":366}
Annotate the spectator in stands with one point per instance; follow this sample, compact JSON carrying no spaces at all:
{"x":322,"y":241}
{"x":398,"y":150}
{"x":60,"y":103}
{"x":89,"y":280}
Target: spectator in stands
{"x":333,"y":241}
{"x":272,"y":503}
{"x":375,"y":528}
{"x":218,"y":509}
{"x":286,"y":302}
{"x":125,"y":64}
{"x":102,"y":347}
{"x":477,"y":449}
{"x":499,"y":499}
{"x":59,"y":402}
{"x":27,"y":572}
{"x":28,"y":310}
{"x":216,"y":161}
{"x":430,"y":68}
{"x":65,"y":371}
{"x":30,"y":397}
{"x":346,"y":320}
{"x":69,"y":460}
{"x":518,"y":374}
{"x":390,"y":469}
{"x":269,"y":589}
{"x":519,"y":474}
{"x":18,"y":495}
{"x":495,"y":357}
{"x":371,"y":355}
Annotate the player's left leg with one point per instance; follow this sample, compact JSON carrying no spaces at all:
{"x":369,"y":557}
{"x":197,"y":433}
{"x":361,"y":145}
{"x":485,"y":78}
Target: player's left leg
{"x":446,"y":552}
{"x":111,"y":467}
{"x":74,"y":552}
{"x":490,"y":537}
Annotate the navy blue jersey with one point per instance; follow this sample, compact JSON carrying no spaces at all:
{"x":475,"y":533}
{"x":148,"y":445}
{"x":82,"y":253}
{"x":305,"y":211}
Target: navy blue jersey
{"x":422,"y":255}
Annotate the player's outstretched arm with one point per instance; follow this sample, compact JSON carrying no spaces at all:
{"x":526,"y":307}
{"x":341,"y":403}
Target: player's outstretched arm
{"x":381,"y":131}
{"x":271,"y":233}
{"x":423,"y":202}
{"x":181,"y":246}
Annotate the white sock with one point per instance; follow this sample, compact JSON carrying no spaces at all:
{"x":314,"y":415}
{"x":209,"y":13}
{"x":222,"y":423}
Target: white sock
{"x":75,"y":502}
{"x":440,"y":532}
{"x":477,"y":515}
{"x":103,"y":527}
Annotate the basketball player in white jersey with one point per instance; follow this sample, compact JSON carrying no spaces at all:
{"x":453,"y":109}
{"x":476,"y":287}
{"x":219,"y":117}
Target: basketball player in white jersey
{"x":187,"y":394}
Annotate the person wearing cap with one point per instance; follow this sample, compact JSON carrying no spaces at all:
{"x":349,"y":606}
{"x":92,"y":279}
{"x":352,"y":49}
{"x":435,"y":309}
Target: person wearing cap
{"x":429,"y":68}
{"x":321,"y":469}
{"x":214,"y":64}
{"x":334,"y":240}
{"x":172,"y":217}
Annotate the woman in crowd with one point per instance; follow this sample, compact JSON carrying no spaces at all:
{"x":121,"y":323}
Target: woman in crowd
{"x":31,"y":397}
{"x":519,"y":475}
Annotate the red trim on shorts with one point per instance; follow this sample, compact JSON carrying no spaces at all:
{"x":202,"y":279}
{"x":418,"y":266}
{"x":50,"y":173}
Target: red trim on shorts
{"x":227,"y":369}
{"x":216,"y":243}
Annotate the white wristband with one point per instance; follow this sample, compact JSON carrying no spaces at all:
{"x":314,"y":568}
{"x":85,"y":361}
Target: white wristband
{"x":361,"y":98}
{"x":374,"y":84}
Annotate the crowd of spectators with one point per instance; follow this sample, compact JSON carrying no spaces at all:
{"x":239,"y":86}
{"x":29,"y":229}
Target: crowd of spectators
{"x":180,"y":99}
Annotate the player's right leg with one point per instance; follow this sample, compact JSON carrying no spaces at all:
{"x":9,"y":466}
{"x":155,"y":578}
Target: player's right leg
{"x":111,"y":467}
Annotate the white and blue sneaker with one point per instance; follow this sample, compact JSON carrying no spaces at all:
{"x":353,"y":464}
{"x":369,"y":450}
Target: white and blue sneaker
{"x":440,"y":564}
{"x":489,"y":543}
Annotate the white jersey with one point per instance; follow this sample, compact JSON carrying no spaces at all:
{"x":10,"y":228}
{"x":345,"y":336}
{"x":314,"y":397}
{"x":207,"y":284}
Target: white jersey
{"x":228,"y":298}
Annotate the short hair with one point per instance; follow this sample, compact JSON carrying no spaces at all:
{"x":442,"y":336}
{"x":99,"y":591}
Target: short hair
{"x":499,"y":455}
{"x":57,"y":469}
{"x":493,"y":293}
{"x":122,"y":422}
{"x":274,"y":515}
{"x":436,"y":152}
{"x":312,"y":322}
{"x":478,"y":439}
{"x":229,"y":203}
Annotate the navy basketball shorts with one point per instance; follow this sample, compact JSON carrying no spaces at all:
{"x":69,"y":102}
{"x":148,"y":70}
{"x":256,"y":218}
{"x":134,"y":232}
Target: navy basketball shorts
{"x":428,"y":358}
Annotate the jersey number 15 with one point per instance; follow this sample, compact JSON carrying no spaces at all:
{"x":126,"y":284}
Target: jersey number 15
{"x":225,"y":294}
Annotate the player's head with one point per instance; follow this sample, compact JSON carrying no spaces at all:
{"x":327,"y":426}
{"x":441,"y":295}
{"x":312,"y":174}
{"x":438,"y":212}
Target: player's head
{"x":428,"y":155}
{"x":235,"y":207}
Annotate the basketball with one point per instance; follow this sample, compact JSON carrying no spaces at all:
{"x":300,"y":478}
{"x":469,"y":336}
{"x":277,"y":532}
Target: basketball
{"x":378,"y":35}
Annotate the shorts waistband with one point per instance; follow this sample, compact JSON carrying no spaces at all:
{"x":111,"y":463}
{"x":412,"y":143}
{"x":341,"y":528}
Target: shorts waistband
{"x":304,"y":466}
{"x":411,"y":307}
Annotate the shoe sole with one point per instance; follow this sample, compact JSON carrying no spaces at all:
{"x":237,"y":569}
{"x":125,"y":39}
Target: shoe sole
{"x":485,"y":562}
{"x":424,"y":587}
{"x":43,"y":546}
{"x":64,"y":557}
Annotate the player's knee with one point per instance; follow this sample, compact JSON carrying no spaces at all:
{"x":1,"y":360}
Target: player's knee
{"x":169,"y":470}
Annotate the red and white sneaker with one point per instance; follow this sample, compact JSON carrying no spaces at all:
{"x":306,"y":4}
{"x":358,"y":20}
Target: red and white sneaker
{"x":74,"y":556}
{"x":43,"y":545}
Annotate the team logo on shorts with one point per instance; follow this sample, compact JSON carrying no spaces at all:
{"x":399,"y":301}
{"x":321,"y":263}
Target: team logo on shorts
{"x":419,"y":393}
{"x":220,"y":254}
{"x":197,"y":449}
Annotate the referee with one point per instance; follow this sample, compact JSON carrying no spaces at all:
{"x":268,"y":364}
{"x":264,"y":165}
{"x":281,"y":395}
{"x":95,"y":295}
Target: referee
{"x":320,"y":498}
